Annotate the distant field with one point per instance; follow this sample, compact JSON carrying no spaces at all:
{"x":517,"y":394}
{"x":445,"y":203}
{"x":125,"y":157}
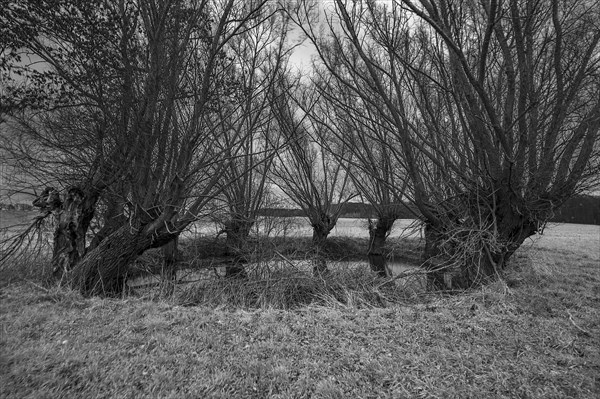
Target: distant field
{"x":569,"y":238}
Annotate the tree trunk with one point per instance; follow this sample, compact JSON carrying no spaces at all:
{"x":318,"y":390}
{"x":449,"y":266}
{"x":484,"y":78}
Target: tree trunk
{"x":103,"y":270}
{"x":113,"y":219}
{"x":322,"y":225}
{"x":169,"y":267}
{"x":433,"y":259}
{"x":378,"y":232}
{"x":463,"y":263}
{"x":318,"y":240}
{"x":237,"y":232}
{"x":73,"y":217}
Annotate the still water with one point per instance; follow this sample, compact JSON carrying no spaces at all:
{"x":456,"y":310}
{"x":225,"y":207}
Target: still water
{"x":300,"y":227}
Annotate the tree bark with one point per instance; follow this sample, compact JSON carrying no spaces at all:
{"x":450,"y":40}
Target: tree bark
{"x":318,"y":240}
{"x":433,"y":260}
{"x":171,"y":259}
{"x":452,"y":267}
{"x":322,"y":226}
{"x":103,"y":270}
{"x":113,"y":219}
{"x":237,"y":232}
{"x":73,"y":216}
{"x":378,"y":232}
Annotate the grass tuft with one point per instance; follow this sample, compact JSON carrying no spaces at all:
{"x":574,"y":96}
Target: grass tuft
{"x":37,"y":270}
{"x":285,"y":287}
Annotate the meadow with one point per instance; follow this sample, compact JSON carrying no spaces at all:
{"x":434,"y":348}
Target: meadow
{"x":535,"y":334}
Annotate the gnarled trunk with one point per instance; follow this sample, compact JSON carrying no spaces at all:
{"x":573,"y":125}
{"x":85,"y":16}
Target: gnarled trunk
{"x":103,"y":270}
{"x":73,"y":216}
{"x":319,"y":262}
{"x":459,"y":258}
{"x":113,"y":218}
{"x":168,"y":271}
{"x":321,"y":229}
{"x":433,"y":257}
{"x":237,"y":232}
{"x":378,"y":232}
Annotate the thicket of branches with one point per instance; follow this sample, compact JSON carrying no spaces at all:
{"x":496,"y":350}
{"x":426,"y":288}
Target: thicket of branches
{"x":143,"y":116}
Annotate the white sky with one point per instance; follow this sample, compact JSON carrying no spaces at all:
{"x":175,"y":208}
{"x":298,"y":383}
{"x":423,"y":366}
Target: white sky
{"x":301,"y":57}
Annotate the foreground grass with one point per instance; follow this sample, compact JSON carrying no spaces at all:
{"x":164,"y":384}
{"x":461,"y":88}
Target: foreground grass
{"x":537,"y":335}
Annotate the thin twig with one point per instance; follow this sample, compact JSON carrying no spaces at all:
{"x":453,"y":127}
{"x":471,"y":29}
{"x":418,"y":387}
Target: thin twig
{"x":585,"y":332}
{"x":46,"y":290}
{"x":285,"y":259}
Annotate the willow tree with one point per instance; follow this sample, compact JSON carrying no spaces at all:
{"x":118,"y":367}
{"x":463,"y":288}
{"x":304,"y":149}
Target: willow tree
{"x":260,"y":54}
{"x":496,"y":110}
{"x":377,"y":175}
{"x":62,"y":78}
{"x":168,"y":68}
{"x":309,"y":175}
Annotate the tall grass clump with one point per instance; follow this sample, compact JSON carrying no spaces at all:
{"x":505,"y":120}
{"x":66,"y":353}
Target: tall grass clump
{"x":34,"y":269}
{"x":281,"y":286}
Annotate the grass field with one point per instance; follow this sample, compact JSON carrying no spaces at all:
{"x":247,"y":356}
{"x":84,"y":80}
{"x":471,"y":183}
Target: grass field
{"x":534,"y":335}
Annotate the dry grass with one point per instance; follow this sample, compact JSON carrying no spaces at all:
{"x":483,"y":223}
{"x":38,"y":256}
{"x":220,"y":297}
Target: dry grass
{"x":535,"y":335}
{"x":286,"y":287}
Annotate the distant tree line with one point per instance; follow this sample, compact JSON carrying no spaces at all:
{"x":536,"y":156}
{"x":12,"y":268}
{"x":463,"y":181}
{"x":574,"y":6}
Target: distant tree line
{"x":581,"y":209}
